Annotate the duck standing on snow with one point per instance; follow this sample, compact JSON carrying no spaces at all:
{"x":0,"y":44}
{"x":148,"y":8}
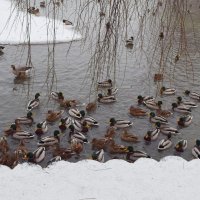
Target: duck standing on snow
{"x":120,"y":123}
{"x":34,"y":103}
{"x":193,"y":95}
{"x":21,"y":72}
{"x":185,"y":121}
{"x":181,"y":145}
{"x":167,"y":91}
{"x":165,"y":143}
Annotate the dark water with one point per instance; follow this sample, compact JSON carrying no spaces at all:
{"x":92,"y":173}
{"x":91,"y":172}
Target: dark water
{"x":133,"y":78}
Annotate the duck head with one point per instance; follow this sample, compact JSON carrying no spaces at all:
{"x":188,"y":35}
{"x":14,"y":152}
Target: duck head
{"x":158,"y":124}
{"x":110,"y":81}
{"x":179,"y":99}
{"x":71,"y":127}
{"x":169,"y":135}
{"x":187,"y":92}
{"x":174,"y":105}
{"x":152,"y":114}
{"x":159,"y":103}
{"x":100,"y":96}
{"x":29,"y":114}
{"x":60,"y":95}
{"x":82,"y":112}
{"x":37,"y":95}
{"x":198,"y":142}
{"x":56,"y":133}
{"x":13,"y":67}
{"x":149,"y":133}
{"x":112,"y":120}
{"x":130,"y":149}
{"x":39,"y":125}
{"x":13,"y":127}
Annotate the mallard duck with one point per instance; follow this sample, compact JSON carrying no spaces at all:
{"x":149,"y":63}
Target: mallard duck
{"x":181,"y":109}
{"x":185,"y":121}
{"x":20,"y":135}
{"x":142,"y":99}
{"x":167,"y":91}
{"x":158,"y":77}
{"x":39,"y":154}
{"x":196,"y":149}
{"x":92,"y":106}
{"x":106,"y":99}
{"x":129,"y":42}
{"x":181,"y":145}
{"x":193,"y":95}
{"x":13,"y":128}
{"x":151,"y":104}
{"x":41,"y":128}
{"x":53,"y":116}
{"x":54,"y":159}
{"x":100,"y":143}
{"x":79,"y":137}
{"x":42,"y":4}
{"x":1,"y":49}
{"x":50,"y":140}
{"x":98,"y":156}
{"x":132,"y":155}
{"x":67,"y":22}
{"x":116,"y":148}
{"x":33,"y":103}
{"x":163,"y":113}
{"x":76,"y":146}
{"x":152,"y":135}
{"x":68,"y":103}
{"x":137,"y":111}
{"x":120,"y":123}
{"x":166,"y":130}
{"x":187,"y":104}
{"x":165,"y":143}
{"x":33,"y":10}
{"x":74,"y":112}
{"x":65,"y":123}
{"x":127,"y":137}
{"x":110,"y":132}
{"x":153,"y":118}
{"x":58,"y":96}
{"x":107,"y":83}
{"x":90,"y":121}
{"x":21,"y":72}
{"x":28,"y":119}
{"x":63,"y":153}
{"x":4,"y":147}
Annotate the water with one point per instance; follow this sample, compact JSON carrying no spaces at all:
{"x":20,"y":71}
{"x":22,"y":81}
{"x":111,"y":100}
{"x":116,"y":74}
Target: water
{"x":133,"y":78}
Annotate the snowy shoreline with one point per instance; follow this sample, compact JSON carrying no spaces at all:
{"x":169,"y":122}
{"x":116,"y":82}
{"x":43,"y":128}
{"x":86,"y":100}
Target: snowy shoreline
{"x":13,"y":28}
{"x":171,"y":178}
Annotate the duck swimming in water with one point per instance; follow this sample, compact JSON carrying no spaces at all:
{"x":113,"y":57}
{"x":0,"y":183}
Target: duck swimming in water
{"x":34,"y":103}
{"x":104,"y":84}
{"x":21,"y":72}
{"x":181,"y":145}
{"x":185,"y":121}
{"x":28,"y":119}
{"x":121,"y":123}
{"x":193,"y":95}
{"x":165,"y":143}
{"x":187,"y":104}
{"x":167,"y":91}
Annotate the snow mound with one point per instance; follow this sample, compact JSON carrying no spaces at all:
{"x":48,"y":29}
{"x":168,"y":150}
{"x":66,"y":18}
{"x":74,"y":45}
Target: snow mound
{"x":13,"y":28}
{"x":171,"y":178}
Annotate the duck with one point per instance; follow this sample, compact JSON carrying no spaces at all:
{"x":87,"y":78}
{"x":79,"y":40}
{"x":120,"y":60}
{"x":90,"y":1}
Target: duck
{"x":42,"y":4}
{"x":153,"y":118}
{"x":100,"y":143}
{"x":21,"y":72}
{"x":50,"y":140}
{"x":74,"y":112}
{"x":181,"y":109}
{"x":158,"y":77}
{"x":127,"y":137}
{"x":152,"y":104}
{"x":185,"y":121}
{"x":98,"y":156}
{"x":54,"y":159}
{"x":165,"y":143}
{"x":196,"y":150}
{"x":120,"y":123}
{"x":181,"y":145}
{"x":33,"y":10}
{"x":34,"y":103}
{"x":166,"y":130}
{"x":142,"y":99}
{"x":129,"y":42}
{"x":1,"y":49}
{"x":65,"y":123}
{"x":92,"y":106}
{"x":188,"y":104}
{"x":79,"y":137}
{"x":20,"y":135}
{"x":137,"y":112}
{"x":90,"y":121}
{"x":53,"y":116}
{"x":28,"y":119}
{"x":106,"y":99}
{"x":66,"y":103}
{"x":41,"y":128}
{"x":39,"y":154}
{"x":133,"y":155}
{"x":4,"y":147}
{"x":110,"y":133}
{"x":152,"y":135}
{"x":21,"y":152}
{"x":193,"y":95}
{"x":14,"y":127}
{"x":63,"y":153}
{"x":104,"y":84}
{"x":58,"y":96}
{"x":116,"y":148}
{"x":76,"y":146}
{"x":67,"y":22}
{"x":167,"y":91}
{"x":163,"y":113}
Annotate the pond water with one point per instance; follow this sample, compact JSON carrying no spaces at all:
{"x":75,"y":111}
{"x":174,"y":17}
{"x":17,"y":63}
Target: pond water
{"x":133,"y":78}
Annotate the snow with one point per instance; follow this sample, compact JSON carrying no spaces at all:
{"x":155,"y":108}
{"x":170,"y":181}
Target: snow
{"x":171,"y":178}
{"x":13,"y":25}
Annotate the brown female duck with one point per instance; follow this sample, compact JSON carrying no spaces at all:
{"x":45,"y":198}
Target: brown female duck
{"x":127,"y":137}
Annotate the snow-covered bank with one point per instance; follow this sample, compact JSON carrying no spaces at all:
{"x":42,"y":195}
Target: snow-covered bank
{"x":171,"y":178}
{"x":13,"y":25}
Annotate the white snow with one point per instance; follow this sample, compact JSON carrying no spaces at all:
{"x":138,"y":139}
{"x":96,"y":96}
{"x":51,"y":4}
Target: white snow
{"x":171,"y":178}
{"x":13,"y":25}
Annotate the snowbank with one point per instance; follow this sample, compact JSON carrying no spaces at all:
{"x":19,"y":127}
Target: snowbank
{"x":13,"y":25}
{"x":171,"y":178}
